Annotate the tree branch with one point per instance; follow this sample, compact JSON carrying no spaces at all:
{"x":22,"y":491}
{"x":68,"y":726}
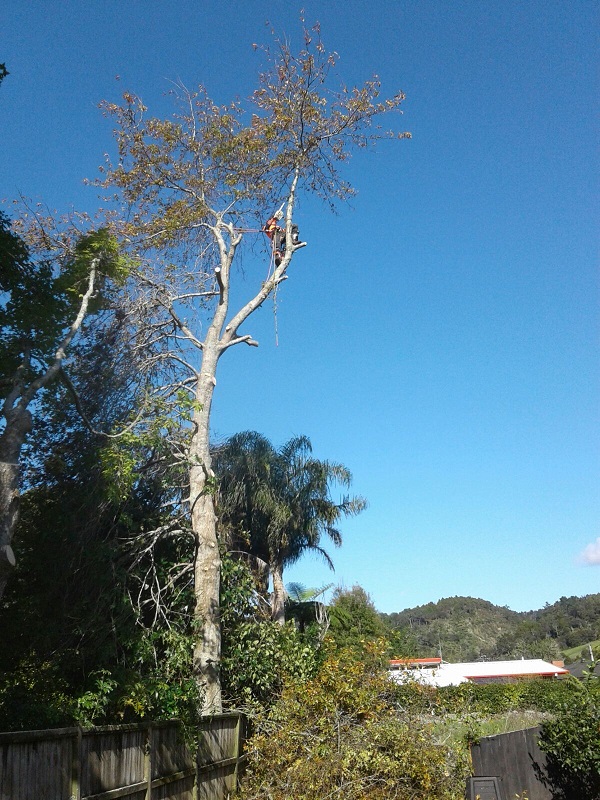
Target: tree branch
{"x":268,"y":287}
{"x":54,"y":368}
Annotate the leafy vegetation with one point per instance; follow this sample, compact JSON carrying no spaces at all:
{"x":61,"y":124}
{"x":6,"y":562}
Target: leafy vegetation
{"x":571,"y":742}
{"x":277,"y":504}
{"x":340,"y":735}
{"x":259,"y":655}
{"x":354,"y":619}
{"x":486,"y":699}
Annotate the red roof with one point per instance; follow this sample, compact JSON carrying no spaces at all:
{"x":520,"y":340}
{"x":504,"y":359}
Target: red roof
{"x":414,"y":662}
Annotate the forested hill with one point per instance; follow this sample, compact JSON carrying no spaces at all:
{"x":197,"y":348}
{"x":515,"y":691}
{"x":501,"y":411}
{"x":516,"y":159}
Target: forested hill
{"x":466,"y":628}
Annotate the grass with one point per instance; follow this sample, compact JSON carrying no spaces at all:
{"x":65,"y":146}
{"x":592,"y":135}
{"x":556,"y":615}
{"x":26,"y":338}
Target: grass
{"x":456,"y":729}
{"x":582,"y":651}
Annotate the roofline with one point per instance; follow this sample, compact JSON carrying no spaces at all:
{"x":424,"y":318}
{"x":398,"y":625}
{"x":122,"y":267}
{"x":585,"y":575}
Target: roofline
{"x":517,"y":675}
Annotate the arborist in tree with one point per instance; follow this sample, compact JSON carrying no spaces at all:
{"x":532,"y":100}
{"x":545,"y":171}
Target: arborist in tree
{"x":277,"y":235}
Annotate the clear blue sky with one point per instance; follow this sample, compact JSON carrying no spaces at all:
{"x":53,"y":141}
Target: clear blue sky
{"x":440,"y":336}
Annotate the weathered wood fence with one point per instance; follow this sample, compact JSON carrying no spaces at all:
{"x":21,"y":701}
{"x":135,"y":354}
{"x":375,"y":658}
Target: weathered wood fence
{"x":220,"y":759}
{"x":138,"y":762}
{"x":512,"y":757}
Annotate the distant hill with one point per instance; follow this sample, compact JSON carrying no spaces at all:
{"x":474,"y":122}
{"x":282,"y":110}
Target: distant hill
{"x":467,"y":629}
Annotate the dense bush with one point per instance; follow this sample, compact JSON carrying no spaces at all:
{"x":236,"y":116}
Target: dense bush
{"x":258,"y":655}
{"x":354,"y":619}
{"x":156,"y":683}
{"x":571,"y":741}
{"x":486,"y":698}
{"x":339,"y":735}
{"x":258,"y":660}
{"x":35,"y":696}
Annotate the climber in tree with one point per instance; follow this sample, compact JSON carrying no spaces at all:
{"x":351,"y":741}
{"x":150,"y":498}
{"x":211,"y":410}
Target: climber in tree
{"x":277,"y":235}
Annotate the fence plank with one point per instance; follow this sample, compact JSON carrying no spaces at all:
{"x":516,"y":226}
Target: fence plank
{"x":112,"y":759}
{"x":36,"y":770}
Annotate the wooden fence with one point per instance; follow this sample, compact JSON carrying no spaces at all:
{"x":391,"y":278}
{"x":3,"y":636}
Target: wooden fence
{"x":512,"y":757}
{"x":138,"y":762}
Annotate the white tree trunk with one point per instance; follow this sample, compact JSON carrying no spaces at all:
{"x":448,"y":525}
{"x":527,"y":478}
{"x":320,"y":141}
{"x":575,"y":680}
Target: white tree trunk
{"x":207,"y":577}
{"x":207,"y":566}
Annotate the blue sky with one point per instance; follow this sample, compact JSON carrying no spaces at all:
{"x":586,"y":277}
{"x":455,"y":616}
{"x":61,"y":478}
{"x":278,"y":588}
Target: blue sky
{"x":439,"y":336}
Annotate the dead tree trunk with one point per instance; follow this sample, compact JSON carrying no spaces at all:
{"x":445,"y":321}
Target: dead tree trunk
{"x":207,"y":566}
{"x":180,"y":173}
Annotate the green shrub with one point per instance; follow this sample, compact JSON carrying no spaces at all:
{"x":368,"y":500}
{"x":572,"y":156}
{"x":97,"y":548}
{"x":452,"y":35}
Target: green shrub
{"x":571,"y":741}
{"x":258,"y":655}
{"x":33,"y":697}
{"x":497,"y":698}
{"x":490,"y":699}
{"x":545,"y":695}
{"x":259,"y":658}
{"x":339,"y":735}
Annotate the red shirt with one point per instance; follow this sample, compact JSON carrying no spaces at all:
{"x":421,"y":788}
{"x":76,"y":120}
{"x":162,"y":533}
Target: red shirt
{"x":271,"y":227}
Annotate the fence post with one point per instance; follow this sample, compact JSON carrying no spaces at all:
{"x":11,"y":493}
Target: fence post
{"x":236,"y":754}
{"x":148,"y":762}
{"x":196,"y":771}
{"x":76,"y":756}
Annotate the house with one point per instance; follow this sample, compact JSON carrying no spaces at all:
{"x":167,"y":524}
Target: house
{"x":435,"y":672}
{"x":579,"y":669}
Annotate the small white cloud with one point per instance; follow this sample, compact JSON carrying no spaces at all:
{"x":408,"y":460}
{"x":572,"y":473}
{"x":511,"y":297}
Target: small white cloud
{"x":591,"y":554}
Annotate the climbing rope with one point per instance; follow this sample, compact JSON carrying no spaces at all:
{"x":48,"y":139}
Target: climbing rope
{"x":275,"y":317}
{"x":270,"y":268}
{"x":269,"y":273}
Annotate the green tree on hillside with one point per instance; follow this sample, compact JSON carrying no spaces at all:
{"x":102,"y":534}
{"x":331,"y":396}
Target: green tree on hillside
{"x":468,"y":628}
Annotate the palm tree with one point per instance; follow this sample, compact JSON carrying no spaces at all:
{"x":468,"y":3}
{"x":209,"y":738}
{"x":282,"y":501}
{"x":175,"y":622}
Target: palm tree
{"x":278,"y":504}
{"x":305,"y":608}
{"x":244,"y":502}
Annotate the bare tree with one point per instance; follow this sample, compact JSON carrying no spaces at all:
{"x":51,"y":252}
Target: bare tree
{"x":195,"y":188}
